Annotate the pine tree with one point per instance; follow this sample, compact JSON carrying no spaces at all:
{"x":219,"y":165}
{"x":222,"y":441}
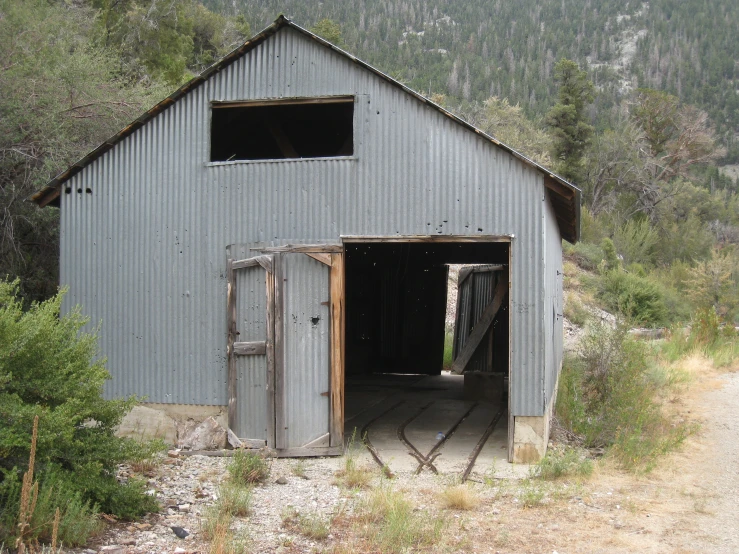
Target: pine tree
{"x":567,"y":119}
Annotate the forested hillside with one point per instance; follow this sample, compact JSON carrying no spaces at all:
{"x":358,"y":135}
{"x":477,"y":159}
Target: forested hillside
{"x":640,"y":119}
{"x":473,"y":49}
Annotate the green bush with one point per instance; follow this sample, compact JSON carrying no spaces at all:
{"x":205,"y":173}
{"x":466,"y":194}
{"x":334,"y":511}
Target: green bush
{"x":49,"y":368}
{"x":637,"y":298}
{"x":610,"y":397}
{"x":584,"y":254}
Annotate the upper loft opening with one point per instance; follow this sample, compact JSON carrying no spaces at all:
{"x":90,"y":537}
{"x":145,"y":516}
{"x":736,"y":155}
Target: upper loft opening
{"x":282,"y":129}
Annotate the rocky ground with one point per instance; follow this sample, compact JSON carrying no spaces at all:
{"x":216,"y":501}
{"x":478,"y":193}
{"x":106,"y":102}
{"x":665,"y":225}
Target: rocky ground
{"x":688,"y":504}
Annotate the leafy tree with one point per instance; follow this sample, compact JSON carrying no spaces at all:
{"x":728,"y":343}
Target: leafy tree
{"x":567,"y":119}
{"x":329,"y":30}
{"x":511,"y":126}
{"x":61,"y":94}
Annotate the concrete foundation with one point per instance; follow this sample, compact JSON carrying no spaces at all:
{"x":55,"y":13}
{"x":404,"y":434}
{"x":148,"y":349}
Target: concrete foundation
{"x":531,"y":434}
{"x":168,"y":422}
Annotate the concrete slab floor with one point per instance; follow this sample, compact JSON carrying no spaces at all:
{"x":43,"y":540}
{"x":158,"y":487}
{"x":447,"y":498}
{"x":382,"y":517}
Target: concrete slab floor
{"x":428,"y":415}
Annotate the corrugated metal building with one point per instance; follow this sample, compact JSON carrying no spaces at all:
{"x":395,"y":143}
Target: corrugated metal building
{"x":180,"y":233}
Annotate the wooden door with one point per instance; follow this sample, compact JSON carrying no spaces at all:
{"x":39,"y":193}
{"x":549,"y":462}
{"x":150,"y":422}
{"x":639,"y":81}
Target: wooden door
{"x":251,"y":349}
{"x":309,"y":357}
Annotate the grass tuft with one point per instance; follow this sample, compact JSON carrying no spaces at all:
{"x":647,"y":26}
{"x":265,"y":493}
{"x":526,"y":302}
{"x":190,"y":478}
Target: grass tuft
{"x":392,"y":525}
{"x":460,"y":497}
{"x":310,"y":525}
{"x":248,"y":467}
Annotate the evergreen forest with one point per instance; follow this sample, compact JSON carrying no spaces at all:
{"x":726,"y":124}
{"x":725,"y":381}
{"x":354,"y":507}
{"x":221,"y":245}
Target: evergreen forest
{"x":636,"y":103}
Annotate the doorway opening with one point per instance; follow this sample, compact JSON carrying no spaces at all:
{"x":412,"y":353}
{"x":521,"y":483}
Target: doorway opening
{"x":398,"y":391}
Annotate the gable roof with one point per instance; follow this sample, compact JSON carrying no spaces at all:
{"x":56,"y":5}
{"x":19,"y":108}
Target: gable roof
{"x":564,"y":195}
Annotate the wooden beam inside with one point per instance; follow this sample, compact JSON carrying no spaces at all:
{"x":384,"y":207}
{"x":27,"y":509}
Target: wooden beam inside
{"x":480,"y":328}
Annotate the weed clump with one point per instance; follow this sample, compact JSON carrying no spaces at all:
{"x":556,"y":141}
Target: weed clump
{"x":561,"y":463}
{"x":248,"y":467}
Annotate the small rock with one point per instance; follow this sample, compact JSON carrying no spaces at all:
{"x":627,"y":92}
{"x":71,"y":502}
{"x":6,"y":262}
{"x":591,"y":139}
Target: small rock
{"x":173,"y":453}
{"x":184,"y":508}
{"x":179,"y":531}
{"x":179,"y":550}
{"x":113,"y":549}
{"x":143,"y":526}
{"x":281,"y":481}
{"x":128,"y":542}
{"x":131,"y":529}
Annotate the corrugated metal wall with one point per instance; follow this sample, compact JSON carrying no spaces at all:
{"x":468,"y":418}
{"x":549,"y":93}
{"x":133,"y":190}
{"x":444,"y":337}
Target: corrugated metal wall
{"x":553,"y":305}
{"x":144,"y":252}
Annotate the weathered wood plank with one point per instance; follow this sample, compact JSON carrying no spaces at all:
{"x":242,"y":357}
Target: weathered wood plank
{"x":336,"y":284}
{"x":298,"y":248}
{"x":279,"y":349}
{"x":320,"y":442}
{"x":291,"y":101}
{"x":305,"y":452}
{"x":264,"y":261}
{"x":559,"y":188}
{"x":270,"y":280}
{"x":253,"y":443}
{"x":426,"y":238}
{"x":320,"y":257}
{"x":231,"y":330}
{"x":480,"y":328}
{"x":253,"y":348}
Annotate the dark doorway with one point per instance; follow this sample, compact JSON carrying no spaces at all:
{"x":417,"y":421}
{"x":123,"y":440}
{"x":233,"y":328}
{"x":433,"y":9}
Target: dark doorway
{"x":396,"y":302}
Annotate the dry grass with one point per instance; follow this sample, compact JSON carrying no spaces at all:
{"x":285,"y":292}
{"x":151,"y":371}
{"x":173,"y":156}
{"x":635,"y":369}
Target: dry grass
{"x":223,"y":541}
{"x":460,"y":497}
{"x":353,"y":476}
{"x":310,"y":525}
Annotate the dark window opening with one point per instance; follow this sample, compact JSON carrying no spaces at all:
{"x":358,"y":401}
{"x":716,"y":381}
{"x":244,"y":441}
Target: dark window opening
{"x":316,"y":129}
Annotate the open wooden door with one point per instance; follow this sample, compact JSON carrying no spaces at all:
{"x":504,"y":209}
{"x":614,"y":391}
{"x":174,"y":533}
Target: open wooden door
{"x":309,"y":387}
{"x":251,"y":348}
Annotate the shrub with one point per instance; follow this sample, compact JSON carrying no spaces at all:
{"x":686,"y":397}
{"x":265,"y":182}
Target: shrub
{"x":637,"y":298}
{"x":249,"y":467}
{"x":609,"y":398}
{"x":50,"y":368}
{"x":584,"y":254}
{"x":635,"y":241}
